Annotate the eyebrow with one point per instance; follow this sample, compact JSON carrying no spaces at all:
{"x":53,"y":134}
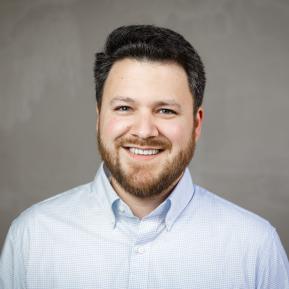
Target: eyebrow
{"x":120,"y":98}
{"x":157,"y":103}
{"x":167,"y":103}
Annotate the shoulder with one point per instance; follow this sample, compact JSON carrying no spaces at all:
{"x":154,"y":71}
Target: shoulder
{"x":240,"y":236}
{"x":229,"y":218}
{"x":63,"y":205}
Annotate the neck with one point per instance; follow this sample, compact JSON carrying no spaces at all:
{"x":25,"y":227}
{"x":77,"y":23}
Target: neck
{"x":141,"y":207}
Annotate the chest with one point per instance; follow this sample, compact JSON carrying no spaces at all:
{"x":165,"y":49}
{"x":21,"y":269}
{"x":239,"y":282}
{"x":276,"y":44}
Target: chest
{"x":135,"y":257}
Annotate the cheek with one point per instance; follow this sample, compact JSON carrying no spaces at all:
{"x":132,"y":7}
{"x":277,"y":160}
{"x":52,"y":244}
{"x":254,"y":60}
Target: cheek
{"x":113,"y":127}
{"x":177,"y":133}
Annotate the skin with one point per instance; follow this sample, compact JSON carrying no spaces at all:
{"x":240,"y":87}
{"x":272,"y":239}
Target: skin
{"x":147,"y":105}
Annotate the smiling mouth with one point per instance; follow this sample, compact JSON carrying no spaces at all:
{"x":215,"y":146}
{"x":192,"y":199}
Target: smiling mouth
{"x":143,"y":151}
{"x":146,"y":152}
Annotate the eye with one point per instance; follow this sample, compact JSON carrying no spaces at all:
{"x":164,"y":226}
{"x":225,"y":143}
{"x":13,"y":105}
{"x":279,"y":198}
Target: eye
{"x":167,"y":111}
{"x":122,"y":108}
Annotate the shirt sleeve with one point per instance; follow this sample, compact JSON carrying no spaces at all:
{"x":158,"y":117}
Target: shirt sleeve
{"x":12,"y":274}
{"x":273,"y":271}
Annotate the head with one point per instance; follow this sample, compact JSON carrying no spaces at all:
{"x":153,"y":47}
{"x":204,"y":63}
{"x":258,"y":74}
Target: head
{"x":149,"y":89}
{"x":151,"y":43}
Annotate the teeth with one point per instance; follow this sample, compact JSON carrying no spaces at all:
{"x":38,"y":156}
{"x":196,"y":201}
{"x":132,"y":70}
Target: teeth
{"x":143,"y":152}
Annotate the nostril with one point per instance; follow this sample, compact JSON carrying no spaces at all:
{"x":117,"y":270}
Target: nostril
{"x":145,"y":131}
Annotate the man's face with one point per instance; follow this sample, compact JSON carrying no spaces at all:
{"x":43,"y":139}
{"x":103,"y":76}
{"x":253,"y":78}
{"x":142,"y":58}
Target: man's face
{"x":146,"y":127}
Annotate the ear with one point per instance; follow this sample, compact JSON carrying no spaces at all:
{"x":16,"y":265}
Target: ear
{"x":97,"y":118}
{"x":198,"y":122}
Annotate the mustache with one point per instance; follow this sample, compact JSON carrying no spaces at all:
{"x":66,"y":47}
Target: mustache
{"x":160,"y":141}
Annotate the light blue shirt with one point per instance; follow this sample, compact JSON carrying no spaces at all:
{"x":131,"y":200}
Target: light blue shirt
{"x":88,"y":238}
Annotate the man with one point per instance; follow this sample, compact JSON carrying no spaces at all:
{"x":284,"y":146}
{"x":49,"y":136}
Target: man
{"x":142,"y":223}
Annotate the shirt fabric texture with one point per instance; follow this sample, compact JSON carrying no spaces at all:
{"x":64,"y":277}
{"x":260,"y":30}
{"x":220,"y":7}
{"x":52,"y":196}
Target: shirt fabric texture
{"x":88,"y":238}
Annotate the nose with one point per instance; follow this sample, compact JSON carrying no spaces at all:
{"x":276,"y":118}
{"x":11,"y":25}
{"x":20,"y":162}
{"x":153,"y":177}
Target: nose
{"x":144,"y":126}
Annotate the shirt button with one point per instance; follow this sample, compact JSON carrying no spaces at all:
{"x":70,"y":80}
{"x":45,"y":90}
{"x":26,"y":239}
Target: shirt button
{"x":121,"y":210}
{"x":140,"y":250}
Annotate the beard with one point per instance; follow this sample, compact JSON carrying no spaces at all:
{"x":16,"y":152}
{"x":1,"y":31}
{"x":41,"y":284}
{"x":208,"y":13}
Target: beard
{"x":139,"y":179}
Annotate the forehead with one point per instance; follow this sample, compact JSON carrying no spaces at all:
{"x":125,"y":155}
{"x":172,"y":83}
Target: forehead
{"x":147,"y":80}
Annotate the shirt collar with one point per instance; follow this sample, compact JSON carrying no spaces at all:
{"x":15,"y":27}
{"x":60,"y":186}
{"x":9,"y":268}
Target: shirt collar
{"x":106,"y":194}
{"x":172,"y":206}
{"x":180,"y":198}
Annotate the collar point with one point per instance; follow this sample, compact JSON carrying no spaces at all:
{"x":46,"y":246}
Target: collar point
{"x":168,"y":226}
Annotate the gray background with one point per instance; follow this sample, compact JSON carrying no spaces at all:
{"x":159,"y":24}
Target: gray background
{"x":47,"y":111}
